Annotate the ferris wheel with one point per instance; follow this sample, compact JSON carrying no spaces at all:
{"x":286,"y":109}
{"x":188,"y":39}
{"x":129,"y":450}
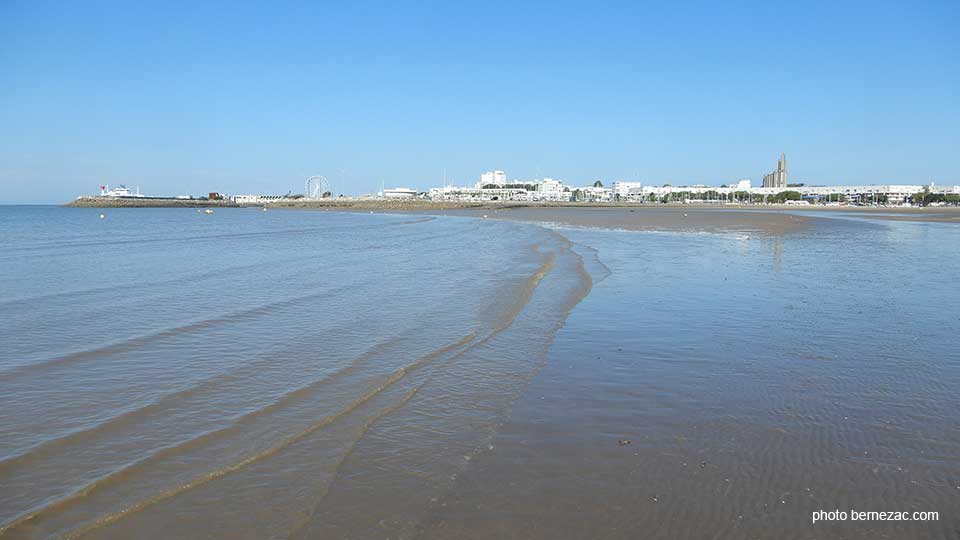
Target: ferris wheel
{"x":317,"y":187}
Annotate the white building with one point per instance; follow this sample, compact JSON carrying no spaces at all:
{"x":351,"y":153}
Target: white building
{"x":497,"y":178}
{"x":497,"y":189}
{"x":626,"y":191}
{"x":551,"y":190}
{"x":596,"y":194}
{"x":548,"y":189}
{"x":477,"y":194}
{"x":894,"y":194}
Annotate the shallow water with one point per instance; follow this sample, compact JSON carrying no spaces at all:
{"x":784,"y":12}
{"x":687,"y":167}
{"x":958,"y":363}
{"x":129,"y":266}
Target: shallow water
{"x":757,"y":380}
{"x":164,"y":367}
{"x":290,"y":374}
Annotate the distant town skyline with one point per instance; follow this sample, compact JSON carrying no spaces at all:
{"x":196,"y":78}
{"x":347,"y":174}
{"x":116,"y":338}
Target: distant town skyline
{"x":255,"y":98}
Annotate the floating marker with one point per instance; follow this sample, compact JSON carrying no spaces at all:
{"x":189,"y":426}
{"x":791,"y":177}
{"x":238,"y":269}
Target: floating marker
{"x":102,"y":216}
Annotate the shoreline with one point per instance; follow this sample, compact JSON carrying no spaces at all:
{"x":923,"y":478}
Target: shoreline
{"x":668,"y":219}
{"x":762,"y":219}
{"x":670,"y":421}
{"x":425,"y":204}
{"x":145,"y":202}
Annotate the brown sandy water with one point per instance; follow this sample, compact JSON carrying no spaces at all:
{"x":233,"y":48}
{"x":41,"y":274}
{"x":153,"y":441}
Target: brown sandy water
{"x":725,"y":387}
{"x":225,"y":376}
{"x":341,"y":375}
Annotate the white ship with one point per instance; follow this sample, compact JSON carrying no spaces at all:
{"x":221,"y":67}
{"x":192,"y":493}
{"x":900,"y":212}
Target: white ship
{"x":119,"y":192}
{"x":399,"y":193}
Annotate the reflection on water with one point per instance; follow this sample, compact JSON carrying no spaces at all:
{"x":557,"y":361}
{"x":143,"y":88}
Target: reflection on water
{"x":776,"y":243}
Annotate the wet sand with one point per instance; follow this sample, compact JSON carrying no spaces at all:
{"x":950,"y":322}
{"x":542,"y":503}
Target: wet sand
{"x":665,"y":218}
{"x":704,"y":391}
{"x":767,"y":219}
{"x":950,"y":216}
{"x":480,"y":378}
{"x":779,"y":219}
{"x":940,"y":214}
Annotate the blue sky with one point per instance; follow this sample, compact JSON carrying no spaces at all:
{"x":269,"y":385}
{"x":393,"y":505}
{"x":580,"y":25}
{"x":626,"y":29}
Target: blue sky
{"x":190,"y":97}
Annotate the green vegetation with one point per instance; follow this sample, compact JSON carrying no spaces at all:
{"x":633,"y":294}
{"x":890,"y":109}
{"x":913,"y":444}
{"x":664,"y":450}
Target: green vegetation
{"x":836,"y":197}
{"x":925,"y":198}
{"x":785,"y":196}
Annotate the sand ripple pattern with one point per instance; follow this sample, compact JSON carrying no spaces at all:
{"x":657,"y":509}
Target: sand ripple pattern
{"x":281,"y":395}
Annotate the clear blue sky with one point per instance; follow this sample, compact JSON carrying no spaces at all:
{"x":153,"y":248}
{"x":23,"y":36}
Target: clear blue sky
{"x":190,"y":97}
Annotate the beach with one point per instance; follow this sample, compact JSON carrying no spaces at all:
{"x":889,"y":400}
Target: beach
{"x":457,"y":271}
{"x":474,"y":372}
{"x":766,"y":219}
{"x":675,"y":219}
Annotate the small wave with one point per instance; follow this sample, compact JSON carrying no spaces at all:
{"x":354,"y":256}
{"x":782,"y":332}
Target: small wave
{"x":454,"y":350}
{"x":603,"y":271}
{"x":192,"y":278}
{"x":367,"y":425}
{"x":127,"y":417}
{"x":414,"y":221}
{"x":75,"y":437}
{"x":520,"y":293}
{"x":136,"y":342}
{"x":170,"y":451}
{"x":453,"y":456}
{"x":392,"y":379}
{"x":113,"y":242}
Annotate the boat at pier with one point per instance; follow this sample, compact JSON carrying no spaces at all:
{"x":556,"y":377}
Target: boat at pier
{"x":119,"y":192}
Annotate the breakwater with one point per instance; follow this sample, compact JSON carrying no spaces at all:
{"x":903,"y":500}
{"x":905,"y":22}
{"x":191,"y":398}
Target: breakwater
{"x":147,"y":202}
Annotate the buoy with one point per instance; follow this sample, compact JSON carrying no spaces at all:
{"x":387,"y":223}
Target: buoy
{"x":484,"y":216}
{"x":208,"y":211}
{"x":264,"y":208}
{"x":102,"y":216}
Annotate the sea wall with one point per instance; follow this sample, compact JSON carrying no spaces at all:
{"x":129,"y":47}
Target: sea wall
{"x":145,"y":202}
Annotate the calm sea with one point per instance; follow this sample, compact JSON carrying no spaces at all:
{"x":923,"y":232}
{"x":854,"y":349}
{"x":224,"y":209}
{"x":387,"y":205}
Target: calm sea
{"x":166,"y":373}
